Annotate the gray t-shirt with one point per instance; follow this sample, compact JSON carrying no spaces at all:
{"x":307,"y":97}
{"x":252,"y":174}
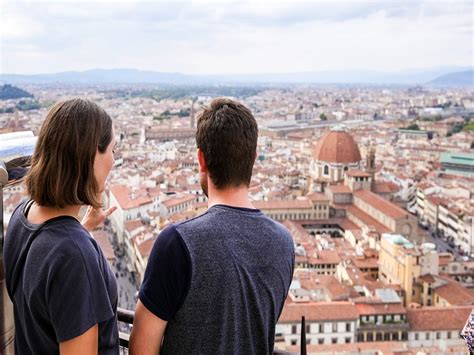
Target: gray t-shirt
{"x":220,"y":280}
{"x":63,"y":285}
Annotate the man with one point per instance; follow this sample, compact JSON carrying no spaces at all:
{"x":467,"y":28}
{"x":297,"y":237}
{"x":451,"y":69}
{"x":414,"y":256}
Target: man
{"x":216,"y":284}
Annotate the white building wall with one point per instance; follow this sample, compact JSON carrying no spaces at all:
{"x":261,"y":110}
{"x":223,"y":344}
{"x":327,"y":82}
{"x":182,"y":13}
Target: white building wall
{"x":315,"y":336}
{"x":442,"y":339}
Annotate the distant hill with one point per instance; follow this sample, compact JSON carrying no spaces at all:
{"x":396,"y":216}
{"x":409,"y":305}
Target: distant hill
{"x":129,"y":76}
{"x":8,"y":91}
{"x":462,"y":78}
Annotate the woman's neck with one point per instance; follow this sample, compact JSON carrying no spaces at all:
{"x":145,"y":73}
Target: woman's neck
{"x":40,"y":214}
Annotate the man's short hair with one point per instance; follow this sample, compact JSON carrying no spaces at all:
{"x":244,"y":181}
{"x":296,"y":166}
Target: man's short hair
{"x":62,"y":165}
{"x":227,"y":134}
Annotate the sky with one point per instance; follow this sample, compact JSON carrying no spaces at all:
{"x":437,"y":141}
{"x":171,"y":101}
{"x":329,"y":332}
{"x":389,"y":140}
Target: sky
{"x":226,"y":37}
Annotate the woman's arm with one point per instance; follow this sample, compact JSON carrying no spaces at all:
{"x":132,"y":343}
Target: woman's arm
{"x":86,"y":343}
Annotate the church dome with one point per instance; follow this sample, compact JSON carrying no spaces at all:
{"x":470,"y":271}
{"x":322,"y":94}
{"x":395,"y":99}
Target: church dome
{"x":337,"y":146}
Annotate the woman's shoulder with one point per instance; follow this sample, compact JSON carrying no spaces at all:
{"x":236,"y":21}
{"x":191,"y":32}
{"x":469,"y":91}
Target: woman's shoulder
{"x":68,"y":239}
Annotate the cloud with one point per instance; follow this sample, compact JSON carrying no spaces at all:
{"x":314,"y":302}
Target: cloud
{"x":234,"y":37}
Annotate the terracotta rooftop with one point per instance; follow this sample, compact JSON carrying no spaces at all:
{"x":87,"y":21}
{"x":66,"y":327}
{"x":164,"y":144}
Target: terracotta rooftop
{"x":340,"y":189}
{"x":357,"y":173}
{"x":454,"y":293}
{"x":283,"y":204}
{"x":427,"y":278}
{"x":445,"y":258}
{"x":384,"y":206}
{"x":176,"y":201}
{"x":438,"y":318}
{"x":337,"y":147}
{"x":325,"y":257}
{"x":385,"y":348}
{"x":102,"y":239}
{"x":145,"y":247}
{"x":319,"y":312}
{"x":366,"y":219}
{"x":366,"y":309}
{"x":317,"y":197}
{"x":128,"y":199}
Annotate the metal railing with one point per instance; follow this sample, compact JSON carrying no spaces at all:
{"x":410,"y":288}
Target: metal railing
{"x":7,"y":324}
{"x":126,"y":316}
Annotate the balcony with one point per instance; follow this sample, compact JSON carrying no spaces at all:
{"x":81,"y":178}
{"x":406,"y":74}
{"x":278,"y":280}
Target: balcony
{"x":386,"y":325}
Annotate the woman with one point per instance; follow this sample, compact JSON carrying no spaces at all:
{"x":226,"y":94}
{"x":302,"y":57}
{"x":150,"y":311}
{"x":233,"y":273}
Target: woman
{"x":63,"y":292}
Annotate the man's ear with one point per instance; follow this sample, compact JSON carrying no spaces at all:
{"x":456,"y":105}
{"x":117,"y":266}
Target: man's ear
{"x":202,"y":161}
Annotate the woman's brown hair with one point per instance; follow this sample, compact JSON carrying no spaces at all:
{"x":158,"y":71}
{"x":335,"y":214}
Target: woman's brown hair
{"x":62,"y":165}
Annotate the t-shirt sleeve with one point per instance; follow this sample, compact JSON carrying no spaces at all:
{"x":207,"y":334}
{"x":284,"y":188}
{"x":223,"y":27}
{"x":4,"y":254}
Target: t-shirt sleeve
{"x":78,"y":297}
{"x":167,"y":275}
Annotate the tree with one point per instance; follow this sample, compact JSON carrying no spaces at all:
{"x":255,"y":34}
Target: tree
{"x":323,"y":117}
{"x":413,"y":127}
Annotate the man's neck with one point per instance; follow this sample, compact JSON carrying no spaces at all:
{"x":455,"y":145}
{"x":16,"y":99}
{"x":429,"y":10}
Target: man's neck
{"x":233,"y":196}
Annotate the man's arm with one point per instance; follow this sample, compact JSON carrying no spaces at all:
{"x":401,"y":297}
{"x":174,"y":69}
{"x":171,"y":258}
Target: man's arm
{"x":86,"y":343}
{"x":147,"y":332}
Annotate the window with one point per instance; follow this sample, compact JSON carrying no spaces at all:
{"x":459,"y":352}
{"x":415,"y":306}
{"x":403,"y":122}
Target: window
{"x":348,"y":327}
{"x":395,"y":336}
{"x":334,"y":327}
{"x":308,"y":341}
{"x":321,"y":328}
{"x":427,"y":336}
{"x":404,"y":336}
{"x":308,"y":328}
{"x":348,"y":340}
{"x":416,"y":336}
{"x":326,"y":170}
{"x":370,"y":336}
{"x":320,"y":341}
{"x":449,"y":335}
{"x":334,"y":340}
{"x":293,"y":342}
{"x":438,"y":335}
{"x":378,"y":336}
{"x":293,"y":329}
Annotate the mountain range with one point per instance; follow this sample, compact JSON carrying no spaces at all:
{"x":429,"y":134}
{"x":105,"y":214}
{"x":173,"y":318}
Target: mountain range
{"x":446,"y":76}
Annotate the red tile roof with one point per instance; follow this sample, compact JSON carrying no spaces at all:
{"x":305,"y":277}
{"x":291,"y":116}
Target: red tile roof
{"x":357,"y":173}
{"x":454,"y":293}
{"x":128,"y":199}
{"x":283,"y":204}
{"x":367,"y":220}
{"x":366,"y":309}
{"x":384,"y":206}
{"x":102,"y":238}
{"x":438,"y":318}
{"x":319,"y":311}
{"x":176,"y":201}
{"x":340,"y":189}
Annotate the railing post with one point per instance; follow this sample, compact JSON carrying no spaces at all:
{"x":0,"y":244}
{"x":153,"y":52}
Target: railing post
{"x":7,"y":327}
{"x":303,"y":336}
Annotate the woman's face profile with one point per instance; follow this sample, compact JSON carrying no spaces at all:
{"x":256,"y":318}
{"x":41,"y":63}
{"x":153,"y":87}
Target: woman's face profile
{"x":104,"y":162}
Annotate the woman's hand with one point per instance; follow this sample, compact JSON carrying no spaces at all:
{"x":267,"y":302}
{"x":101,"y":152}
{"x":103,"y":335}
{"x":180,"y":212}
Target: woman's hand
{"x":95,"y":216}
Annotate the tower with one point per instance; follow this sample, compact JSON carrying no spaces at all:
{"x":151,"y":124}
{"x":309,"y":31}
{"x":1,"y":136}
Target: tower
{"x":370,"y":163}
{"x":191,"y":113}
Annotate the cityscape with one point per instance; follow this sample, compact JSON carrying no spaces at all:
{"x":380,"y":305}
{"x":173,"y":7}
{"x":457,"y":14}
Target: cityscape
{"x":365,"y":154}
{"x":374,"y":183}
